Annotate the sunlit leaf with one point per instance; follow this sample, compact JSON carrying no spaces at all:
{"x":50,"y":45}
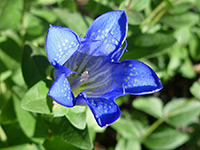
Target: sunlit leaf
{"x":150,"y":105}
{"x":35,"y":100}
{"x":165,"y":138}
{"x":179,"y":112}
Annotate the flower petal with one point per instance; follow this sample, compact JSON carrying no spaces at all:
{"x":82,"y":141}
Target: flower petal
{"x":135,"y":77}
{"x":60,"y":91}
{"x":104,"y":110}
{"x":61,"y":70}
{"x":117,"y":79}
{"x":61,"y":43}
{"x":109,"y":28}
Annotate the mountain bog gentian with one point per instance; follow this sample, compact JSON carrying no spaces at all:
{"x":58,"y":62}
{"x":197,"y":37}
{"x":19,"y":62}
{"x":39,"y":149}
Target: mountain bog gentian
{"x":88,"y":71}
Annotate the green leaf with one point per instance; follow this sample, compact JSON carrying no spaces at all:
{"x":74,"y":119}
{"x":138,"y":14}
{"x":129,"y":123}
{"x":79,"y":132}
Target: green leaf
{"x":195,"y":90}
{"x":106,"y":3}
{"x":34,"y":64}
{"x":150,"y":105}
{"x":181,"y":8}
{"x":77,"y":22}
{"x":77,"y":116}
{"x":48,"y":2}
{"x":148,"y":45}
{"x":18,"y":78}
{"x":22,"y":147}
{"x":45,"y":13}
{"x":181,"y":112}
{"x":177,"y":21}
{"x":33,"y":25}
{"x":10,"y":14}
{"x":128,"y":128}
{"x":165,"y":138}
{"x":183,"y":35}
{"x":134,"y":18}
{"x":175,"y":59}
{"x":11,"y":53}
{"x":7,"y":114}
{"x":148,"y":40}
{"x":5,"y":75}
{"x":35,"y":100}
{"x":197,"y":4}
{"x":59,"y":110}
{"x":25,"y":119}
{"x":139,"y":5}
{"x":61,"y":128}
{"x":128,"y":144}
{"x":186,"y":69}
{"x":194,"y":47}
{"x":59,"y":144}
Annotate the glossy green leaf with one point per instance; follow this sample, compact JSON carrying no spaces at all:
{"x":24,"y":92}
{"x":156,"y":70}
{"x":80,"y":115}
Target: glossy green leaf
{"x":35,"y":100}
{"x":165,"y":138}
{"x":34,"y":64}
{"x":181,"y":112}
{"x":150,"y":105}
{"x":77,"y":116}
{"x":60,"y":127}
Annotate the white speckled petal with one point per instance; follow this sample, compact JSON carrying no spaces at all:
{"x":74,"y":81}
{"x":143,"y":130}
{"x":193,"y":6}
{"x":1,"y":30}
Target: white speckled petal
{"x":61,"y":43}
{"x":60,"y":91}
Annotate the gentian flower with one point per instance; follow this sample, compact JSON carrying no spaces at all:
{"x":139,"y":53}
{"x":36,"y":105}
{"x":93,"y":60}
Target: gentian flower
{"x":88,"y":71}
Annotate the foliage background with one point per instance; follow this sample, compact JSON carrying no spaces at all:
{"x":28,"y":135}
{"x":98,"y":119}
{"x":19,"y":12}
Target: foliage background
{"x":163,"y":34}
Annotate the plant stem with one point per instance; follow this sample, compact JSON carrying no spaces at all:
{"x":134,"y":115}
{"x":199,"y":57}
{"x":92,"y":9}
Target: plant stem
{"x":129,"y":5}
{"x":154,"y":126}
{"x":158,"y":122}
{"x":157,"y":18}
{"x":153,"y":14}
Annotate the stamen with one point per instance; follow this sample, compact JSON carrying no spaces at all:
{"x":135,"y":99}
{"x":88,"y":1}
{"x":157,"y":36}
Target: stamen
{"x":84,"y":76}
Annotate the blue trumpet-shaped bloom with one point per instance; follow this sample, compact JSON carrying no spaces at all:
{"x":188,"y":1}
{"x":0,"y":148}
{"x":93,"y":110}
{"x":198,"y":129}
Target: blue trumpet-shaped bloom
{"x":88,"y":71}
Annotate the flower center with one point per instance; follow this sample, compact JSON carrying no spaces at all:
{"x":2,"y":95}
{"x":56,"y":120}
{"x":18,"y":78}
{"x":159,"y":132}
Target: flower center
{"x":84,"y":76}
{"x":77,"y":81}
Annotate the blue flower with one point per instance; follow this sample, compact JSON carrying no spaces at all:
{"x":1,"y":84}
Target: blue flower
{"x":88,"y":71}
